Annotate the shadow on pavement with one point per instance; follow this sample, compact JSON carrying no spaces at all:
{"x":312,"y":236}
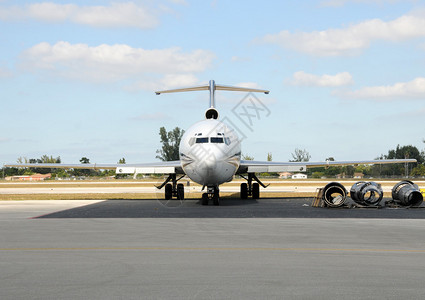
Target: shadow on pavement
{"x":229,"y":208}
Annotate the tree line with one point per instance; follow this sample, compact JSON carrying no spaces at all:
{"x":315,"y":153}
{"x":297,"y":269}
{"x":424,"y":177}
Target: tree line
{"x":170,"y":141}
{"x":59,"y":173}
{"x":389,"y":170}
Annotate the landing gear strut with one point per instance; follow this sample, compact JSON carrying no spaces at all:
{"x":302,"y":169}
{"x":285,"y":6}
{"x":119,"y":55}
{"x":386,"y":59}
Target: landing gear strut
{"x":173,"y":189}
{"x":250,"y":188}
{"x":212,"y":193}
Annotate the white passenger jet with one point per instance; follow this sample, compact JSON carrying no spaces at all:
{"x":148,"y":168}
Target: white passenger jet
{"x":210,"y":154}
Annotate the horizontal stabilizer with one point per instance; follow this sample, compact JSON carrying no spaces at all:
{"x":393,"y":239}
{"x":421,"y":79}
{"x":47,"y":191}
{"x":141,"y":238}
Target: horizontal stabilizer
{"x":217,"y":87}
{"x":239,"y":89}
{"x":212,"y":87}
{"x":188,"y":89}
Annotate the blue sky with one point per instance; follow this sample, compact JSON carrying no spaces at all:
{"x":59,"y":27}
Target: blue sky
{"x":77,"y":78}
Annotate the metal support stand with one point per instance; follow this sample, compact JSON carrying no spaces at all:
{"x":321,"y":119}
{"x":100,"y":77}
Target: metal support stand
{"x":173,"y":179}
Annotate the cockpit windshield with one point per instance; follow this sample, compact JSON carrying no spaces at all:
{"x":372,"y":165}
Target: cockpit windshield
{"x":202,"y":140}
{"x":218,"y":140}
{"x":213,"y":140}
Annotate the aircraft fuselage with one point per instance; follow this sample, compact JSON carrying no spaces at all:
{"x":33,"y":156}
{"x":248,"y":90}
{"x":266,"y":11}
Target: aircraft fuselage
{"x":210,"y":152}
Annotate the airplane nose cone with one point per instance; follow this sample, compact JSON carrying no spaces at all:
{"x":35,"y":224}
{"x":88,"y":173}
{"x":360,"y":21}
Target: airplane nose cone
{"x":209,"y":162}
{"x":209,"y":166}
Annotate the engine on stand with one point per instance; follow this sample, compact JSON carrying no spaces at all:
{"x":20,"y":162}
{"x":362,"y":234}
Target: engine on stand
{"x":368,"y":194}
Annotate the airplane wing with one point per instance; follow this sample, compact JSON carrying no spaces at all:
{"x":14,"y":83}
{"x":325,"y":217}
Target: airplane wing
{"x":252,"y":166}
{"x":164,"y":167}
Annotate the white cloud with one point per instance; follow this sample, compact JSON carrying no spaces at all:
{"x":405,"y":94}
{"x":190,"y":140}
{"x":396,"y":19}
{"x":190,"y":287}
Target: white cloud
{"x":306,"y":79}
{"x":168,"y":81}
{"x":4,"y":73}
{"x":240,"y":59}
{"x":115,"y":15}
{"x":180,"y":2}
{"x":252,"y":85}
{"x":5,"y":140}
{"x":350,"y":40}
{"x":107,"y":63}
{"x":337,"y":3}
{"x":416,"y":114}
{"x":414,"y":89}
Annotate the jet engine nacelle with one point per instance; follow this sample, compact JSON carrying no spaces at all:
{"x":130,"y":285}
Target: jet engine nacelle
{"x":366,"y":193}
{"x":334,"y":194}
{"x":407,"y":193}
{"x":211,"y":113}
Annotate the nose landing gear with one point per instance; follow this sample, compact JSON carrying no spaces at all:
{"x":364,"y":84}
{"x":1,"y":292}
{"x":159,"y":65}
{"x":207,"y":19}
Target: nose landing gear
{"x":212,"y":193}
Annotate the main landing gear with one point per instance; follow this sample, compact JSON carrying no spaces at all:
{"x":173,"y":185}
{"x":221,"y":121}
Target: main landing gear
{"x":212,"y":193}
{"x":173,"y":189}
{"x":251,"y":189}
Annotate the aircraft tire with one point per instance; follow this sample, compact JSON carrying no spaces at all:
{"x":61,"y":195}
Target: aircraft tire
{"x":204,"y":200}
{"x":180,"y":191}
{"x":216,"y":199}
{"x":244,"y":190}
{"x":255,"y":191}
{"x":168,"y":191}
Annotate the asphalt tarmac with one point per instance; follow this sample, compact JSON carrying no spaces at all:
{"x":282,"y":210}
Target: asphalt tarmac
{"x":230,"y":208}
{"x":268,"y":249}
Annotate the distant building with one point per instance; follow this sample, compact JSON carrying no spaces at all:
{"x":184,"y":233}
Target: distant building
{"x":356,"y":176}
{"x":35,"y":177}
{"x":285,"y":175}
{"x":299,"y":176}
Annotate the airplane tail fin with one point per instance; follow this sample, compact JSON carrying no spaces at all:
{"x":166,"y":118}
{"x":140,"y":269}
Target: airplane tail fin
{"x":212,"y":87}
